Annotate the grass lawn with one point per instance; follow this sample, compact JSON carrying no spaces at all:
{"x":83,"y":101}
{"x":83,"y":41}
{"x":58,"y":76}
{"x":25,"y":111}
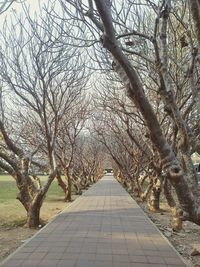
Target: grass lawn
{"x":13,"y":213}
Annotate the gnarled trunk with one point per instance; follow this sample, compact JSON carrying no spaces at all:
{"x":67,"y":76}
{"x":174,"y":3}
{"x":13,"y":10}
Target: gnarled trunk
{"x":32,"y":197}
{"x":154,"y":199}
{"x":32,"y":206}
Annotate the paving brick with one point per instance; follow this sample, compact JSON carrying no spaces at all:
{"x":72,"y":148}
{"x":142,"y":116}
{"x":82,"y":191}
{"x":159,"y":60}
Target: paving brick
{"x":87,"y":256}
{"x":137,"y":259}
{"x":64,"y":263}
{"x":70,"y":256}
{"x":119,"y":264}
{"x":155,"y":259}
{"x":31,"y":263}
{"x":147,"y":265}
{"x":173,"y":261}
{"x":48,"y":263}
{"x":104,"y":257}
{"x":103,"y":264}
{"x":37,"y":255}
{"x":120,"y":251}
{"x":13,"y":263}
{"x":85,"y":263}
{"x":26,"y":250}
{"x":53,"y":256}
{"x":21,"y":256}
{"x":121,"y":258}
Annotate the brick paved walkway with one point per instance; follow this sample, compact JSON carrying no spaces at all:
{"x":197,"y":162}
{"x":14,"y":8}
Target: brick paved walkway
{"x":103,"y":228}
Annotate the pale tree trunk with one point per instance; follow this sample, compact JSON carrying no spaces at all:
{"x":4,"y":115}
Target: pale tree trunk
{"x":188,"y":201}
{"x":154,"y":199}
{"x":119,"y":176}
{"x":176,"y":218}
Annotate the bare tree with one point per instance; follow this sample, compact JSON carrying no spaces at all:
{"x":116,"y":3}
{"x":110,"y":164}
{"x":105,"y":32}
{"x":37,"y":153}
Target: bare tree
{"x":44,"y":81}
{"x":71,"y":127}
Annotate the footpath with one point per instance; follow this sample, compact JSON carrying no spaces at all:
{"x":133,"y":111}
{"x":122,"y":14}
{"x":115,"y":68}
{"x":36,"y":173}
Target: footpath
{"x":102,"y":228}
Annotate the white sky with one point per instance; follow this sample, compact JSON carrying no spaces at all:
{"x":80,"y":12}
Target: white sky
{"x":17,"y":7}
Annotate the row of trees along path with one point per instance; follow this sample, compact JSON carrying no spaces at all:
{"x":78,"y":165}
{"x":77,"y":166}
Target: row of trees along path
{"x":96,"y":78}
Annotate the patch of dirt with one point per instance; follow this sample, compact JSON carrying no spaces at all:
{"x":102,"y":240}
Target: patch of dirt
{"x":12,"y":238}
{"x":186,"y":242}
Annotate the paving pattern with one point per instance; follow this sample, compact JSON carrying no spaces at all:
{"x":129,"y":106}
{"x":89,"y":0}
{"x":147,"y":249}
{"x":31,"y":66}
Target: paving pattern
{"x":102,"y":228}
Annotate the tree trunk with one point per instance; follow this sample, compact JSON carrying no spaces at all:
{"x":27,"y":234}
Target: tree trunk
{"x":69,"y":184}
{"x":145,"y":194}
{"x":33,"y":216}
{"x":77,"y":185}
{"x":154,"y":199}
{"x":195,"y":10}
{"x":176,"y":219}
{"x":62,"y":184}
{"x":27,"y":190}
{"x":32,"y":206}
{"x":33,"y":203}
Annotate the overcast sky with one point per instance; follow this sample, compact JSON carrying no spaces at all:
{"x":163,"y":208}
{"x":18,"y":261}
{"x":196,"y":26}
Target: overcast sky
{"x":17,"y":7}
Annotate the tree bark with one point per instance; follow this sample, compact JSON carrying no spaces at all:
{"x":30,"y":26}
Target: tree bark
{"x":62,"y":184}
{"x":69,"y":184}
{"x":145,"y":194}
{"x":195,"y":10}
{"x":33,"y":216}
{"x":32,"y":204}
{"x":154,"y":199}
{"x":176,"y":219}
